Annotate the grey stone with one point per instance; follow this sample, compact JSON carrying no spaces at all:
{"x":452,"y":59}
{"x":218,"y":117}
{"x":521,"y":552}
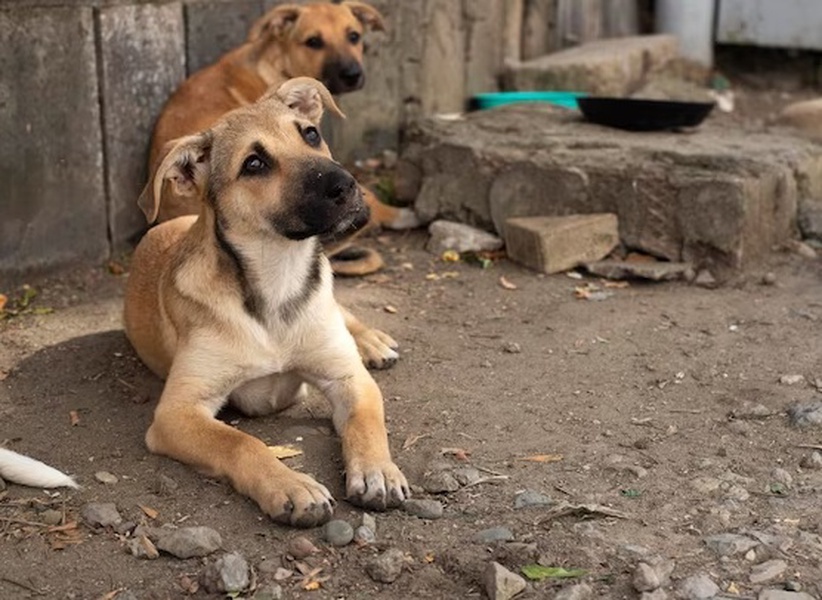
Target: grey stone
{"x":780,"y":475}
{"x":125,"y":528}
{"x":386,"y":567}
{"x":705,"y":484}
{"x":783,"y":595}
{"x":530,"y":498}
{"x":269,"y":591}
{"x":101,"y":514}
{"x":369,"y":521}
{"x":698,"y":587}
{"x":142,"y":547}
{"x":127,"y":595}
{"x":142,"y":62}
{"x":729,"y":544}
{"x":705,"y":279}
{"x":448,"y":235}
{"x":229,"y":574}
{"x":805,"y":414}
{"x":511,"y":348}
{"x":300,"y":547}
{"x":810,"y":221}
{"x":658,"y":594}
{"x":106,"y":477}
{"x":2,"y":484}
{"x":792,"y":585}
{"x":51,"y":517}
{"x":768,"y":571}
{"x":735,"y":492}
{"x":578,"y":591}
{"x":791,"y":379}
{"x":663,"y":567}
{"x":645,"y":578}
{"x":364,"y":535}
{"x":701,"y":202}
{"x":440,"y":482}
{"x":466,"y":475}
{"x":424,"y":509}
{"x":493,"y":534}
{"x":164,"y":485}
{"x":652,"y":270}
{"x":751,"y":411}
{"x":215,"y":28}
{"x":338,"y":533}
{"x":188,"y":542}
{"x":51,"y":159}
{"x":611,"y":67}
{"x":502,"y":584}
{"x":812,"y":461}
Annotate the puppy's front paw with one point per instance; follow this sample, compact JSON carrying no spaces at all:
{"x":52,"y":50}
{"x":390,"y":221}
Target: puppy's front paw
{"x":376,"y":487}
{"x":297,"y":500}
{"x":377,"y":349}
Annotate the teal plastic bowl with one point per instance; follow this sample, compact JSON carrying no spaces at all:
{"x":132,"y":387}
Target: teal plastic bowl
{"x":494,"y":99}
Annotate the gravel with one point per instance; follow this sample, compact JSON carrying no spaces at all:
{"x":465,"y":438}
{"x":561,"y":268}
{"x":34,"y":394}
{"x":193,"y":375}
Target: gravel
{"x":768,"y":571}
{"x":386,"y":567}
{"x":728,"y":544}
{"x":188,"y":542}
{"x":228,"y":574}
{"x":424,"y":509}
{"x":530,"y":498}
{"x":106,"y":477}
{"x":364,"y":535}
{"x":502,"y":584}
{"x":805,"y":414}
{"x":698,"y":587}
{"x":338,"y":533}
{"x":645,"y":578}
{"x":493,"y":534}
{"x":101,"y":514}
{"x":440,"y":482}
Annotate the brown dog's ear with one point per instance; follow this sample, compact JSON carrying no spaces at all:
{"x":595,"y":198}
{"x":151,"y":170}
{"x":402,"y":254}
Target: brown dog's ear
{"x":275,"y":22}
{"x":367,"y":15}
{"x":308,"y":97}
{"x":185,"y":163}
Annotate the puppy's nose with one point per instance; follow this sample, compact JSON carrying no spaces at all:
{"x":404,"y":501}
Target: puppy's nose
{"x":351,"y":74}
{"x":338,"y":186}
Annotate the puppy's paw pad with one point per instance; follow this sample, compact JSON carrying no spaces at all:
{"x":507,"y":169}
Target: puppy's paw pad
{"x":298,"y":501}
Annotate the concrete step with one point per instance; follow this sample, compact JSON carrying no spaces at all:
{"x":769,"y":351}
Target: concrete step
{"x":718,"y":197}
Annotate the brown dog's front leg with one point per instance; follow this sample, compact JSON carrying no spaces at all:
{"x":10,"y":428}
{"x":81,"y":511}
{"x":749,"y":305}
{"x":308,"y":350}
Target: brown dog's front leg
{"x":185,"y":429}
{"x":372,"y":479}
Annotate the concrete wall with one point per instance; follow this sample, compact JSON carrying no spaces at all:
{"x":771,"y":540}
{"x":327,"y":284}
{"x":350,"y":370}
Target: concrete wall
{"x":82,"y":81}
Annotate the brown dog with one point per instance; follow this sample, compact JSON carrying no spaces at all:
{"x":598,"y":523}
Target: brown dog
{"x":318,"y":40}
{"x":237,"y":305}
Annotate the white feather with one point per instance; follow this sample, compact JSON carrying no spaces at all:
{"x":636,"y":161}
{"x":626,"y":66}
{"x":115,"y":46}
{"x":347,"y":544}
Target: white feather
{"x":21,"y":469}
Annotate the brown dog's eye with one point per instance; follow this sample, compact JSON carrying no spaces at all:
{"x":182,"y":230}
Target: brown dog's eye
{"x":254,"y":165}
{"x":315,"y":42}
{"x":311,"y":136}
{"x":354,"y":37}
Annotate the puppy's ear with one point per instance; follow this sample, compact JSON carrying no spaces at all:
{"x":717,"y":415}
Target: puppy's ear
{"x":275,"y":22}
{"x":185,"y":162}
{"x":308,"y":97}
{"x":367,"y":15}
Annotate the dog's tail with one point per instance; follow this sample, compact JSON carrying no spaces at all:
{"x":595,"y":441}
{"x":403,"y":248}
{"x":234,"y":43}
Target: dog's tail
{"x":27,"y":471}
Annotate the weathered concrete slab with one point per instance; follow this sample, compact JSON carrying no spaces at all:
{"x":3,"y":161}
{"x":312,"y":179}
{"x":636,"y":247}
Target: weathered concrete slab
{"x":51,"y":165}
{"x":611,"y":67}
{"x":214,"y":28}
{"x":142,"y":62}
{"x":556,"y":244}
{"x":719,"y":197}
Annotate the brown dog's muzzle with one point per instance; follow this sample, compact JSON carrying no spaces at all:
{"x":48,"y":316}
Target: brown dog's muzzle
{"x":341,"y":76}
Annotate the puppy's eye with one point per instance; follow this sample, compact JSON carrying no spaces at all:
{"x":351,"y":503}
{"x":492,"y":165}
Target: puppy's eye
{"x":315,"y":42}
{"x":254,"y":165}
{"x":311,"y":136}
{"x":354,"y":37}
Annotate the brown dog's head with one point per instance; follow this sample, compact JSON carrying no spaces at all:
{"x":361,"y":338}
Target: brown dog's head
{"x":319,"y":40}
{"x":265,"y":169}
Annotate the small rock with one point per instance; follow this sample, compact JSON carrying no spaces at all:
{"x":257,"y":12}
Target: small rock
{"x":106,"y":477}
{"x":636,"y":471}
{"x":752,"y":411}
{"x":364,"y":535}
{"x":51,"y":517}
{"x":338,"y":533}
{"x":369,"y":521}
{"x":269,"y":566}
{"x":125,"y":528}
{"x":142,"y":547}
{"x":769,"y":278}
{"x":466,"y":475}
{"x":448,"y":235}
{"x":270,"y":591}
{"x":511,"y":348}
{"x":783,"y":595}
{"x":663,"y":567}
{"x":658,"y":594}
{"x":808,"y":413}
{"x":164,"y":485}
{"x":633,"y":552}
{"x":628,"y":269}
{"x":424,"y":509}
{"x":742,"y":428}
{"x":579,"y":591}
{"x":729,"y":544}
{"x":529,"y":498}
{"x":188,"y":542}
{"x":780,"y":475}
{"x":735,"y":492}
{"x":793,"y":586}
{"x":2,"y":484}
{"x":300,"y":547}
{"x":791,"y":379}
{"x":126,"y":595}
{"x":645,"y":578}
{"x":801,"y":248}
{"x":386,"y":567}
{"x":502,"y":584}
{"x":812,"y":461}
{"x":282,"y":574}
{"x":440,"y":482}
{"x":768,"y":570}
{"x":705,"y":279}
{"x":101,"y":514}
{"x":493,"y":534}
{"x":228,"y":574}
{"x":705,"y":485}
{"x":698,"y":587}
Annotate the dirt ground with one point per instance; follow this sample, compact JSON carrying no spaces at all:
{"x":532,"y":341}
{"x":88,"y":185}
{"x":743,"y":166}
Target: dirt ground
{"x":664,"y":406}
{"x":637,"y":394}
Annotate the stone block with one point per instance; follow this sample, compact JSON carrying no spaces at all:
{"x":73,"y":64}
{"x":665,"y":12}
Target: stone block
{"x":51,"y":160}
{"x":556,"y":244}
{"x":610,"y":67}
{"x":215,"y":28}
{"x":142,"y":62}
{"x":718,"y":198}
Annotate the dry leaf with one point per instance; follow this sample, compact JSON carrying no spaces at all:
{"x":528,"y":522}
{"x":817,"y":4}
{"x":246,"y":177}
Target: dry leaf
{"x":507,"y":284}
{"x":390,"y":309}
{"x":287,"y":451}
{"x":542,"y":458}
{"x":70,"y":526}
{"x":413,"y":439}
{"x":189,"y":585}
{"x":3,"y":301}
{"x":115,"y":268}
{"x":112,"y":594}
{"x":432,"y":277}
{"x":312,"y":586}
{"x":74,"y":416}
{"x":451,"y":256}
{"x":616,"y":284}
{"x":458,"y":453}
{"x":429,"y":558}
{"x":149,"y":512}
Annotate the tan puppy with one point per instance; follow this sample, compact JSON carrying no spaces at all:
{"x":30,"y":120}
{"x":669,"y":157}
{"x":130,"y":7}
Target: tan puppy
{"x":237,"y":305}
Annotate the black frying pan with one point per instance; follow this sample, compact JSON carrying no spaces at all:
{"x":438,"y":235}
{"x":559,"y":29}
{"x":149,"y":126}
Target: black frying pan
{"x":636,"y":114}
